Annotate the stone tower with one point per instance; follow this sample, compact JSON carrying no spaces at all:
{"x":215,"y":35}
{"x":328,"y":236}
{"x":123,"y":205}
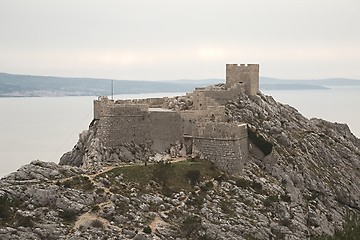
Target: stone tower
{"x":246,"y":74}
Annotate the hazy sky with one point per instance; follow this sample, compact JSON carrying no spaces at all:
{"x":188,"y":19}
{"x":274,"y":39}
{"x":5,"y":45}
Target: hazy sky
{"x":171,"y":39}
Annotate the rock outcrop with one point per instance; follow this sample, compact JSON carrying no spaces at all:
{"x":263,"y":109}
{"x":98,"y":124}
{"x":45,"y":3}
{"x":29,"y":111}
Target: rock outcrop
{"x":302,"y":180}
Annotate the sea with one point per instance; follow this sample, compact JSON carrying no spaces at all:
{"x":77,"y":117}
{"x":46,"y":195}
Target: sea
{"x":44,"y":128}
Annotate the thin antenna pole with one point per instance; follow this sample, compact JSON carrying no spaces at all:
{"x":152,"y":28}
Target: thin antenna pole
{"x":112,"y":89}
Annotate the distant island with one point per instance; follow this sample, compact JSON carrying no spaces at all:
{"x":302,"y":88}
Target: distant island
{"x":14,"y":85}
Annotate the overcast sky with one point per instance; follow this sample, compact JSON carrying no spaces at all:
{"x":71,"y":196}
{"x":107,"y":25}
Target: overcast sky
{"x":171,"y":39}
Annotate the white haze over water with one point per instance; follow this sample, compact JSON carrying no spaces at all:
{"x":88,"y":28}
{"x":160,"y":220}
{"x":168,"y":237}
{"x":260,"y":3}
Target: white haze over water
{"x":45,"y":128}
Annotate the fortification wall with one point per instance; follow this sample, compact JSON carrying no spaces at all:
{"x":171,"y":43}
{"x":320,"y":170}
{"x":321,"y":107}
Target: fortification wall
{"x":126,"y":123}
{"x":224,"y":144}
{"x":201,"y":101}
{"x":124,"y":129}
{"x":108,"y":108}
{"x":202,"y":98}
{"x":121,"y":123}
{"x":223,"y":96}
{"x":205,"y":130}
{"x":99,"y":105}
{"x":248,"y":74}
{"x":191,"y":119}
{"x":166,"y":129}
{"x":151,"y":102}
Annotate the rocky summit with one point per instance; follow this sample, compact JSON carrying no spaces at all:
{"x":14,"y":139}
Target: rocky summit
{"x":301,"y":181}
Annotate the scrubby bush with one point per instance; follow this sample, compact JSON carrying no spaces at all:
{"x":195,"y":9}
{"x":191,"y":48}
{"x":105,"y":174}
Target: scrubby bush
{"x":5,"y":207}
{"x":191,"y":226}
{"x":162,"y":172}
{"x":257,"y":187}
{"x":95,"y":208}
{"x":227,"y":207}
{"x":79,"y":182}
{"x":270,"y":199}
{"x":147,"y":230}
{"x":24,"y":221}
{"x":207,"y":186}
{"x":243,"y":183}
{"x":195,"y":200}
{"x":193,"y":176}
{"x":97,"y":223}
{"x":285,"y":198}
{"x":68,"y":215}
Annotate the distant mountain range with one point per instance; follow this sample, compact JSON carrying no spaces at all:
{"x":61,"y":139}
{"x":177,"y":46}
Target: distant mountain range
{"x":13,"y":85}
{"x":267,"y":83}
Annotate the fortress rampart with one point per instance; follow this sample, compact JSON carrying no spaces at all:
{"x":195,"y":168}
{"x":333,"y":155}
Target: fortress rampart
{"x":224,"y":144}
{"x":202,"y":130}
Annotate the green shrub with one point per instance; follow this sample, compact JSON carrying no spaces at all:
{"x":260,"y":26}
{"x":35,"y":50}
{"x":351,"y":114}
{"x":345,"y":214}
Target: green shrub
{"x":79,"y":182}
{"x":285,"y":222}
{"x":162,"y":172}
{"x":68,"y":215}
{"x":270,"y":199}
{"x":121,"y":208}
{"x":227,"y":208}
{"x":8,"y":206}
{"x":5,"y":207}
{"x":193,"y":176}
{"x":97,"y":223}
{"x":147,"y":230}
{"x":285,"y":198}
{"x":24,"y":221}
{"x":243,"y":183}
{"x":95,"y":208}
{"x":259,"y":141}
{"x":207,"y":186}
{"x":196,"y":200}
{"x":191,"y":226}
{"x":257,"y":187}
{"x":100,"y":191}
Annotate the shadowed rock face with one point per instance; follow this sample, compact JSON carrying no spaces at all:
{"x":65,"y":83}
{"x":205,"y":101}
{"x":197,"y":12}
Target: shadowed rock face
{"x":306,"y":186}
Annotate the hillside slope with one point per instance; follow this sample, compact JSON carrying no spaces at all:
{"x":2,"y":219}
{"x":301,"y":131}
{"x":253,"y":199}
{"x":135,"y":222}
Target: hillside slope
{"x":302,"y":180}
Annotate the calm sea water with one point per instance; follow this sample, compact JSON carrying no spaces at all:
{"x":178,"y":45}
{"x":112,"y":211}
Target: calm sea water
{"x":45,"y":128}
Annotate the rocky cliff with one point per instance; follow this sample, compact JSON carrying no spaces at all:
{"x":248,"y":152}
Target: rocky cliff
{"x":301,"y":181}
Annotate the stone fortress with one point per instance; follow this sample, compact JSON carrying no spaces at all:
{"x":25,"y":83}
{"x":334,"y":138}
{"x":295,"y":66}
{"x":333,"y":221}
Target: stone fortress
{"x":200,"y":129}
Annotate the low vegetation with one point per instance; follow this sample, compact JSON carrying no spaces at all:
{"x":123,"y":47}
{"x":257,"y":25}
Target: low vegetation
{"x":351,"y":230}
{"x":171,"y":177}
{"x":78,"y":182}
{"x":8,"y":207}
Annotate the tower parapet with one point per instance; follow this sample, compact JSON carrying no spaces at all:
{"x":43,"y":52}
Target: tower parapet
{"x":243,"y":73}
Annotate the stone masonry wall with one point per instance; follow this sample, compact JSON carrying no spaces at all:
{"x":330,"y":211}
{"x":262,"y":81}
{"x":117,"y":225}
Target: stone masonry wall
{"x":166,"y":129}
{"x":126,"y":123}
{"x":192,"y":118}
{"x":248,"y":74}
{"x":224,"y":144}
{"x":124,"y":129}
{"x":226,"y":154}
{"x":151,"y":102}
